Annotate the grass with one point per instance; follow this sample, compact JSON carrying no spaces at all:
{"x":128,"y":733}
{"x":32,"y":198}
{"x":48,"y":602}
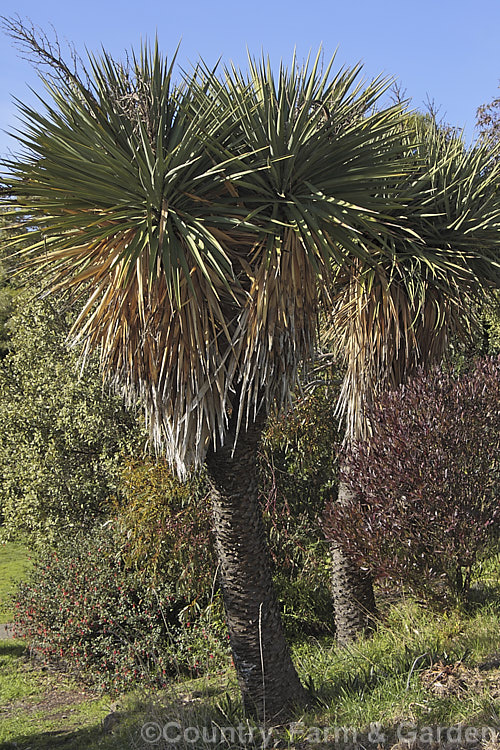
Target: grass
{"x":14,"y":563}
{"x":421,"y":669}
{"x":389,"y":679}
{"x":41,"y":710}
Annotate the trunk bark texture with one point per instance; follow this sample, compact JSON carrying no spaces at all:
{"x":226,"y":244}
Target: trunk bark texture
{"x":352,"y":591}
{"x":268,"y":681}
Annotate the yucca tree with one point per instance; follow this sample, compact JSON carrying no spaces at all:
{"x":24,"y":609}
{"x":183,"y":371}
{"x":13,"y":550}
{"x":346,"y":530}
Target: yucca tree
{"x":396,"y":314}
{"x":200,"y":222}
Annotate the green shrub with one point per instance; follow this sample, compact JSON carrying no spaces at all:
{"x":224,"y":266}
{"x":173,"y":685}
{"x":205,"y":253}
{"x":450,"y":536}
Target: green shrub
{"x":83,"y":608}
{"x":166,"y":528}
{"x":137,"y":600}
{"x":166,"y":525}
{"x":491,"y":325}
{"x":299,"y":465}
{"x":483,"y":338}
{"x":63,"y":434}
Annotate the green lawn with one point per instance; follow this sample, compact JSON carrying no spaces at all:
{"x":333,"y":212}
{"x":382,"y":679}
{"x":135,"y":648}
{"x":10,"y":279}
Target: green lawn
{"x":41,"y":710}
{"x":14,"y":563}
{"x":45,"y":710}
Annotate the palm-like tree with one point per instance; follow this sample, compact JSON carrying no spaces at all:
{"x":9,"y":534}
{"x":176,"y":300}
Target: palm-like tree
{"x":200,"y":222}
{"x":398,"y":313}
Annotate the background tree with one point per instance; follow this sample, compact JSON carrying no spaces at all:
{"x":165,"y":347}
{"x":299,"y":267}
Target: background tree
{"x":6,"y":296}
{"x":200,"y":218}
{"x":9,"y":286}
{"x":488,"y":124}
{"x":298,"y":468}
{"x":488,"y":120}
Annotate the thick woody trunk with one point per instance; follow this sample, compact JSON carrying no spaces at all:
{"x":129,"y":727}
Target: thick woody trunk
{"x":352,"y":591}
{"x":268,"y":681}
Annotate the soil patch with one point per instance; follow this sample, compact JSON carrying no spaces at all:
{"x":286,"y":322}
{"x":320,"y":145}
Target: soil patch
{"x":6,"y":632}
{"x":457,"y":679}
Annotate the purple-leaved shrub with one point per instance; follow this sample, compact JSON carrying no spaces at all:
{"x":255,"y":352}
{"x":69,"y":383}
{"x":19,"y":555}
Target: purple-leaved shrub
{"x":425,"y":503}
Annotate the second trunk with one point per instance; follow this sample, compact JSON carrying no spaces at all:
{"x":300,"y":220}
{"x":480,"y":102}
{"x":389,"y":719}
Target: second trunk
{"x":352,"y":590}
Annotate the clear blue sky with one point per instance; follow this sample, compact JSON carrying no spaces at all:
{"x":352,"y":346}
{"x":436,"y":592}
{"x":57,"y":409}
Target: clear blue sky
{"x":444,"y":50}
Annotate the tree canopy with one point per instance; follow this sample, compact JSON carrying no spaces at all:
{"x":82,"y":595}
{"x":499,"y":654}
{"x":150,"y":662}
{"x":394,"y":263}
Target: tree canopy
{"x":488,"y":120}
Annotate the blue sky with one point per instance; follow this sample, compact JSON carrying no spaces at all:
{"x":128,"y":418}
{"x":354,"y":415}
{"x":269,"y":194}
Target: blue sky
{"x":445,"y":51}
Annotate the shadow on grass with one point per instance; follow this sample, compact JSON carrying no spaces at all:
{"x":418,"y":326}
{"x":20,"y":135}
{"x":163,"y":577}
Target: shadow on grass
{"x":483,"y":596}
{"x":82,"y":739}
{"x":125,"y":735}
{"x":14,"y":649}
{"x":140,"y":723}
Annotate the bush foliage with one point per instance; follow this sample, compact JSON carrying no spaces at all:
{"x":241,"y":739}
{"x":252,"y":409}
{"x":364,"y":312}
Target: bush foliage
{"x":63,"y":433}
{"x":165,"y":527}
{"x":137,"y":599}
{"x":426,"y":485}
{"x":299,"y":467}
{"x":84,"y":608}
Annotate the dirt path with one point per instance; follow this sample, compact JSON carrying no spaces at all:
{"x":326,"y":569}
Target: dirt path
{"x":6,"y":632}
